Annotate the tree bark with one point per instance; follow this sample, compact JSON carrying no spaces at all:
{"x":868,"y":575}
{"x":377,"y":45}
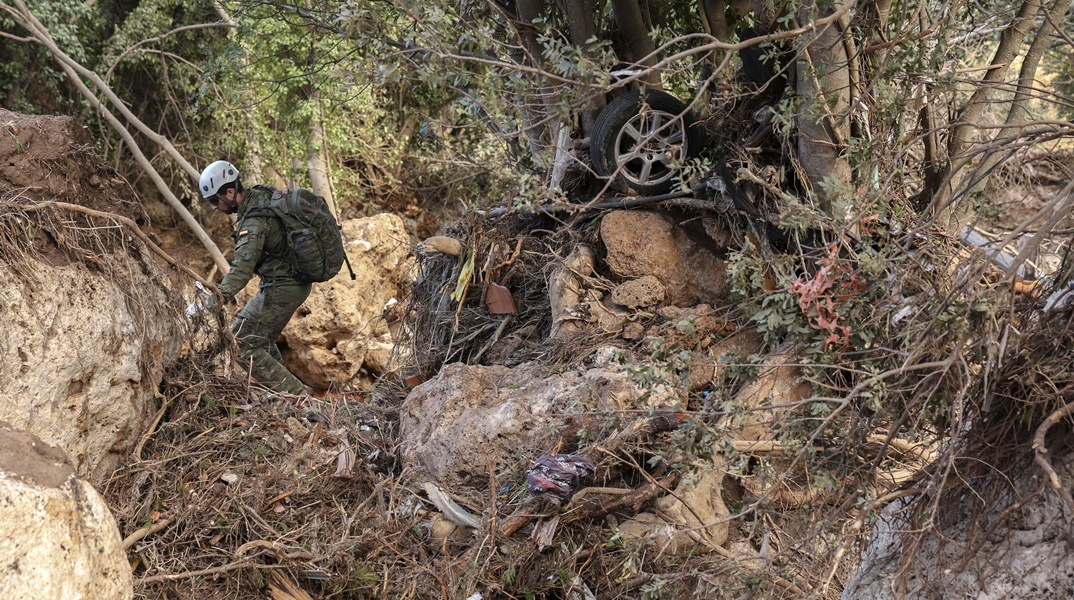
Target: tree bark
{"x":583,"y":28}
{"x":981,"y":100}
{"x":526,"y":12}
{"x":317,"y":156}
{"x":764,"y":16}
{"x":944,"y":206}
{"x":635,"y":34}
{"x":824,"y":118}
{"x":1018,"y":113}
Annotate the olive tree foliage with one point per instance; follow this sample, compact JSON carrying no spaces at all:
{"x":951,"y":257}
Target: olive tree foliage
{"x":306,"y":103}
{"x":883,"y":93}
{"x":30,"y":81}
{"x":481,"y":98}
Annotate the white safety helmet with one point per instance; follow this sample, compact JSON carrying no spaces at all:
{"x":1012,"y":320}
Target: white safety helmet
{"x":216,"y":176}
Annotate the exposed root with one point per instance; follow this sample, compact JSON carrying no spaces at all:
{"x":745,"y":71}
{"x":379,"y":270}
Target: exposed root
{"x":1041,"y":458}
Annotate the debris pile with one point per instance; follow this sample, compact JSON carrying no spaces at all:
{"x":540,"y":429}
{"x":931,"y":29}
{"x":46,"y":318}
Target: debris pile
{"x":670,"y":400}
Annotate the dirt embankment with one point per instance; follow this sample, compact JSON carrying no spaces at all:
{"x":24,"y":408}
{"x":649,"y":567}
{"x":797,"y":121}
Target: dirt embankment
{"x":92,"y":321}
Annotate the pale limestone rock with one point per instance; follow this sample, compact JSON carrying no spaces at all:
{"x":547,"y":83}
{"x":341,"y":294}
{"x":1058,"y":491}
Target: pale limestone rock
{"x":59,"y":538}
{"x":691,"y":519}
{"x":1026,"y":554}
{"x":633,"y":331}
{"x":641,"y":243}
{"x":453,"y":425}
{"x":81,"y":355}
{"x":566,"y":292}
{"x":639,"y":293}
{"x":707,"y":365}
{"x":339,"y":337}
{"x":608,"y":317}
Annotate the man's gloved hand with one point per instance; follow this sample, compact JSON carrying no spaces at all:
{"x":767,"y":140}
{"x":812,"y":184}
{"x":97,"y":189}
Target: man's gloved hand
{"x":204,"y":301}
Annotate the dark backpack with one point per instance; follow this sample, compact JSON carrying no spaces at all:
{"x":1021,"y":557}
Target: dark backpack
{"x":313,"y":235}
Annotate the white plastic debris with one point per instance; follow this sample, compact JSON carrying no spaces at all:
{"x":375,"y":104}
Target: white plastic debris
{"x":452,"y":511}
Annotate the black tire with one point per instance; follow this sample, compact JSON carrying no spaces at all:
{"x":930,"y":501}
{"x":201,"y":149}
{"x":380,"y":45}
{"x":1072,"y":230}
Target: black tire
{"x":640,"y":141}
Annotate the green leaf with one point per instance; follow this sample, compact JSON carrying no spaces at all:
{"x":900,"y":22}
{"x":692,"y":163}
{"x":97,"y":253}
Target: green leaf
{"x":464,"y":277}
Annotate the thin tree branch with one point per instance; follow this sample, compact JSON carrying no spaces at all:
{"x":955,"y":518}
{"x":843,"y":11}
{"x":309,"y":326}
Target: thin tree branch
{"x":26,"y":20}
{"x":160,"y":38}
{"x":148,"y":530}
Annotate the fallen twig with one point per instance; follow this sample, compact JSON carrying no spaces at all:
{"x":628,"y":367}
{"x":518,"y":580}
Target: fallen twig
{"x":242,"y":564}
{"x":518,"y":519}
{"x":648,"y":425}
{"x":138,"y":535}
{"x":276,"y":548}
{"x":633,"y":500}
{"x":627,"y":586}
{"x":152,"y":426}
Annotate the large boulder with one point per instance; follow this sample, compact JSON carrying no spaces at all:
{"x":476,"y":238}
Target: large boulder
{"x":89,"y":324}
{"x":454,"y":424}
{"x":339,"y":337}
{"x":642,"y":243}
{"x":80,"y":359}
{"x":59,"y":538}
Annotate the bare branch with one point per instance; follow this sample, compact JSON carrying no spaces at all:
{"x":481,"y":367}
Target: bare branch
{"x":26,"y":20}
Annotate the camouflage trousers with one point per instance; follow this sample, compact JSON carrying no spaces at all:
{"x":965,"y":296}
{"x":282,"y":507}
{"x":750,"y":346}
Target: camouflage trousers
{"x":259,"y":324}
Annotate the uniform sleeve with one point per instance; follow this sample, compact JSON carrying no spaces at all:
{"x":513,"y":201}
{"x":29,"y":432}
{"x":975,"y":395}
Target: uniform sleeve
{"x":249,"y":244}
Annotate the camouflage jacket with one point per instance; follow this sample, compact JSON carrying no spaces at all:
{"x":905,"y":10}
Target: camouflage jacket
{"x":260,"y":246}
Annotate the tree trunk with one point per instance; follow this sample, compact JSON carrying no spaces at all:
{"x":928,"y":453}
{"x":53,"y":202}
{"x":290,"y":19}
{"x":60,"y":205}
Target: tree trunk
{"x":526,"y":12}
{"x":632,"y":27}
{"x":254,"y":165}
{"x":1018,"y":113}
{"x":714,"y":19}
{"x":823,"y":120}
{"x":764,"y":16}
{"x":944,"y":206}
{"x":981,"y":101}
{"x":580,"y":18}
{"x":317,"y":157}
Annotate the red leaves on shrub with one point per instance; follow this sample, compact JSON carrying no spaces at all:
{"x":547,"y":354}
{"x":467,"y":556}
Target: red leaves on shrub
{"x":819,"y":298}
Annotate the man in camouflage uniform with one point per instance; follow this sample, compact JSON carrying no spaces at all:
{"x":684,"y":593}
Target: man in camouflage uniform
{"x":261,"y":248}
